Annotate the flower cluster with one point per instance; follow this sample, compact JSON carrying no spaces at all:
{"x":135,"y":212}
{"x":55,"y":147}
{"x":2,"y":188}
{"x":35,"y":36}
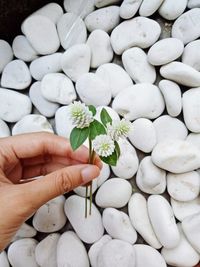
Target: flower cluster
{"x":103,"y":145}
{"x":118,"y":129}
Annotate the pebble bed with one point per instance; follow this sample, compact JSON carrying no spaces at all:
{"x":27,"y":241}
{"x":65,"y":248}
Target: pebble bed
{"x":140,"y":60}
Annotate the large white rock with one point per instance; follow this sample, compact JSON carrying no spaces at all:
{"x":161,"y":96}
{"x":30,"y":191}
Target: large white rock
{"x":79,"y":7}
{"x":193,"y":3}
{"x":148,"y":256}
{"x":150,"y":179}
{"x":171,"y":10}
{"x":35,"y":28}
{"x":147,"y":8}
{"x":57,"y":87}
{"x":118,"y":225}
{"x":93,"y":90}
{"x":4,"y":129}
{"x":176,"y":156}
{"x":71,"y":30}
{"x":181,"y":73}
{"x":63,"y":124}
{"x":163,"y":221}
{"x":22,"y":49}
{"x":81,"y":190}
{"x":46,"y":64}
{"x":71,"y":251}
{"x":46,"y":251}
{"x":21,"y":253}
{"x":32,"y":123}
{"x":104,"y":174}
{"x":194,"y":138}
{"x":88,"y":229}
{"x":191,"y":109}
{"x":143,"y":135}
{"x":139,"y":31}
{"x":16,"y":75}
{"x":139,"y":101}
{"x":191,"y":55}
{"x":136,"y":64}
{"x":13,"y":105}
{"x":115,"y":76}
{"x":165,"y":51}
{"x":185,"y":28}
{"x":101,"y":3}
{"x":101,"y":49}
{"x":115,"y":193}
{"x":24,"y":231}
{"x":4,"y":259}
{"x":129,"y":8}
{"x":50,"y":217}
{"x":172,"y":96}
{"x":183,"y":255}
{"x":6,"y":54}
{"x":76,"y":61}
{"x":116,"y":253}
{"x":104,"y":19}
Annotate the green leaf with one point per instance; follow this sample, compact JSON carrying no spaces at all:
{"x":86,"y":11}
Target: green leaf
{"x":105,"y":117}
{"x":78,"y":137}
{"x":110,"y":160}
{"x":92,"y":109}
{"x":117,"y":149}
{"x":96,"y":128}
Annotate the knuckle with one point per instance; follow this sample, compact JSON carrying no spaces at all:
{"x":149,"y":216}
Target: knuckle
{"x":64,"y":181}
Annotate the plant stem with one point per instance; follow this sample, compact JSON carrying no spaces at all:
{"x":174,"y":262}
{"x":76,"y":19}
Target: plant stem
{"x":86,"y":193}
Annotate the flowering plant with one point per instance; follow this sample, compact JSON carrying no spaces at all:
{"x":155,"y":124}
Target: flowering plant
{"x":102,"y":136}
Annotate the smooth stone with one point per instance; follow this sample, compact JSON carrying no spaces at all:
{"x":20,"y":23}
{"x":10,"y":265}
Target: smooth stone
{"x":22,"y":49}
{"x":115,"y":76}
{"x":32,"y":123}
{"x":16,"y":75}
{"x":96,"y":247}
{"x":163,"y":221}
{"x":193,"y":3}
{"x":105,"y":19}
{"x":143,"y":135}
{"x":194,"y":138}
{"x":150,"y":179}
{"x":183,"y":187}
{"x":102,"y":3}
{"x":184,"y":209}
{"x":101,"y":49}
{"x":79,"y":7}
{"x":71,"y":30}
{"x":172,"y":96}
{"x":165,"y":51}
{"x":181,"y":73}
{"x":4,"y":129}
{"x":6,"y":54}
{"x":176,"y":156}
{"x":113,"y":114}
{"x":186,"y":27}
{"x":139,"y":101}
{"x":169,"y":128}
{"x":129,"y":8}
{"x":63,"y":124}
{"x":104,"y":174}
{"x":114,"y":193}
{"x":191,"y":229}
{"x":4,"y":259}
{"x":128,"y":162}
{"x":46,"y":251}
{"x":71,"y":251}
{"x":92,"y":90}
{"x":191,"y":109}
{"x":57,"y":87}
{"x":35,"y":28}
{"x":76,"y":61}
{"x":118,"y":225}
{"x":88,"y":229}
{"x":81,"y":190}
{"x":24,"y":231}
{"x":191,"y":55}
{"x":183,"y":255}
{"x":137,"y":66}
{"x":13,"y":105}
{"x":140,"y":31}
{"x":148,"y":8}
{"x":148,"y":256}
{"x":116,"y":253}
{"x":21,"y":253}
{"x":45,"y":107}
{"x":171,"y":10}
{"x":50,"y":217}
{"x":138,"y":213}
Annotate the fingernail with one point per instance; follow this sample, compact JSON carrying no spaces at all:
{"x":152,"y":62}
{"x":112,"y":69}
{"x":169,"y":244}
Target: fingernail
{"x":88,"y":173}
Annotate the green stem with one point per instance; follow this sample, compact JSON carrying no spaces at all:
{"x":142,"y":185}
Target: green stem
{"x":86,"y":193}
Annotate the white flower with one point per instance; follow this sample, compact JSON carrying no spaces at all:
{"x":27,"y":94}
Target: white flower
{"x":119,"y":129}
{"x":103,"y":145}
{"x":80,"y":114}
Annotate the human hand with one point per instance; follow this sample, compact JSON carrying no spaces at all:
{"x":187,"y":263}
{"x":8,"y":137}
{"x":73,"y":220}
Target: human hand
{"x":31,"y":155}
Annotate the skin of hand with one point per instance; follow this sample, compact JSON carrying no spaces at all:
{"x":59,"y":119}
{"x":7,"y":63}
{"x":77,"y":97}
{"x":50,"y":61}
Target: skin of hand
{"x":37,"y":154}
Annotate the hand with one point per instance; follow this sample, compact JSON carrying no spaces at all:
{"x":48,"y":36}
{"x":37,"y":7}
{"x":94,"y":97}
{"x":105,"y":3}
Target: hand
{"x":30,"y":155}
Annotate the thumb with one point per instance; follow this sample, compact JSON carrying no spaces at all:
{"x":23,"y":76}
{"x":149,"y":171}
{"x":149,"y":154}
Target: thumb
{"x":40,"y":191}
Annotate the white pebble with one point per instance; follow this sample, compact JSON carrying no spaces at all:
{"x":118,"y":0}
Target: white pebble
{"x":4,"y":259}
{"x":104,"y":174}
{"x":101,"y":3}
{"x":193,"y":3}
{"x":6,"y":54}
{"x":113,"y":114}
{"x":194,"y":138}
{"x":171,"y":10}
{"x":81,"y":190}
{"x":24,"y":231}
{"x":79,"y":7}
{"x":4,"y":129}
{"x":63,"y":123}
{"x":129,"y":8}
{"x":148,"y":8}
{"x":191,"y":55}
